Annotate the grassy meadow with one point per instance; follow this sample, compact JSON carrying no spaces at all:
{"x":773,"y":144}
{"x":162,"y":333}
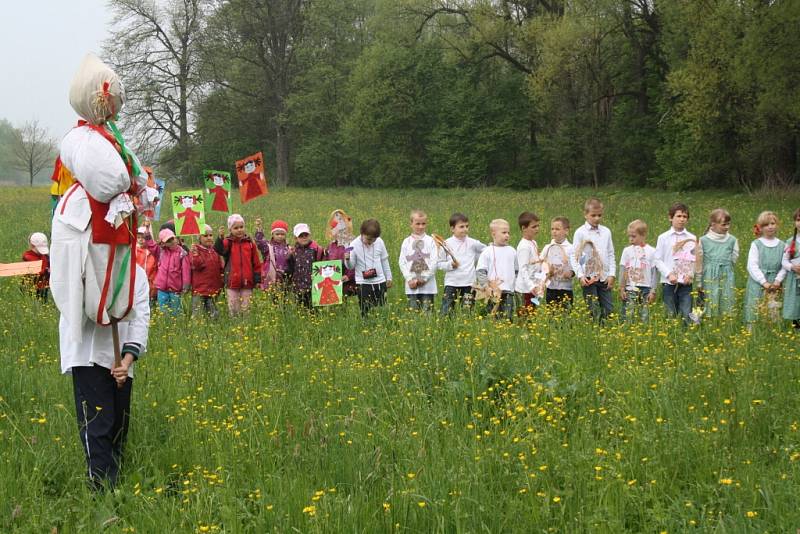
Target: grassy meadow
{"x":286,"y":421}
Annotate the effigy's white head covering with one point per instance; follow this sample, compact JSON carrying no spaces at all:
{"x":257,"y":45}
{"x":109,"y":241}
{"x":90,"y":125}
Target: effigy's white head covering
{"x":96,"y":92}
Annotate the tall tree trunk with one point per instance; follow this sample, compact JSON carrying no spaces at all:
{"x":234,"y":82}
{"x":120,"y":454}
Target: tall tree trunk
{"x":282,"y":154}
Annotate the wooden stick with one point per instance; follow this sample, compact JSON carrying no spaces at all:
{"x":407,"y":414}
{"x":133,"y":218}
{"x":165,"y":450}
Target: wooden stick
{"x":117,"y":350}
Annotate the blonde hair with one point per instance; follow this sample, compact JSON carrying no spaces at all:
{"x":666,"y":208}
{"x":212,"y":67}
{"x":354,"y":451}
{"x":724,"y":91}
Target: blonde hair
{"x":496,"y":224}
{"x":766,"y":217}
{"x":638,"y":226}
{"x":417,"y":213}
{"x":592,"y":203}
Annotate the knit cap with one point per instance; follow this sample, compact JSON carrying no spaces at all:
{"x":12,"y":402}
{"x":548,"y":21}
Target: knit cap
{"x":279,"y":225}
{"x":233,"y":219}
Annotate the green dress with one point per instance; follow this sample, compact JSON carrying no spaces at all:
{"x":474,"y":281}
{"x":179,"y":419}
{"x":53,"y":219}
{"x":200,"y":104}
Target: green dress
{"x":769,"y":260}
{"x":718,"y":281}
{"x":791,"y":286}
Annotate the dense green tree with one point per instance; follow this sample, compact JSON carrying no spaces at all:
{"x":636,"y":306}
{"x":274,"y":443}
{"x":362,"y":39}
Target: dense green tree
{"x":521,"y":93}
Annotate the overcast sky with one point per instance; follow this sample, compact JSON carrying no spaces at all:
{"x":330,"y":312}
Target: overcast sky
{"x":41,"y":46}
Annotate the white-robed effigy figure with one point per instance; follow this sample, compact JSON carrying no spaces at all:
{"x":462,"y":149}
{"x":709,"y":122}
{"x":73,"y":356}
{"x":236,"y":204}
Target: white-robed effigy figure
{"x":94,"y":280}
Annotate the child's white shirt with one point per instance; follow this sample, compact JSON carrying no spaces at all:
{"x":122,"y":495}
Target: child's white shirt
{"x":637,"y":266}
{"x":754,"y":261}
{"x":558,"y":255}
{"x":788,"y":262}
{"x":466,"y":252}
{"x":665,"y":257}
{"x":365,"y":257}
{"x":527,"y":258}
{"x":428,"y":276}
{"x":601,"y":238}
{"x":500,"y":263}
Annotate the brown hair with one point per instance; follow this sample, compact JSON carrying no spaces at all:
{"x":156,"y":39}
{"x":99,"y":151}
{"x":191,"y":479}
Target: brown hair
{"x":458,"y":218}
{"x":793,"y":246}
{"x":718,"y":215}
{"x":561,"y":219}
{"x":371,"y":228}
{"x":676,"y":207}
{"x":526,"y":218}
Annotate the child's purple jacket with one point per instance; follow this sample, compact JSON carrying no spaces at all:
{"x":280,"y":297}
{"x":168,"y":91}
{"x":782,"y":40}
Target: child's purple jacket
{"x":281,"y":251}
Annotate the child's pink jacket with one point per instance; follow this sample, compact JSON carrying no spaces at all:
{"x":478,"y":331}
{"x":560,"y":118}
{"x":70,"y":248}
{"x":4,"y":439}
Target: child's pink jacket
{"x":174,"y":270}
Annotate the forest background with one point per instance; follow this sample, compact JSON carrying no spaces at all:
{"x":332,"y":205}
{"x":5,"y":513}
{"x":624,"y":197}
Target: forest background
{"x":457,"y":93}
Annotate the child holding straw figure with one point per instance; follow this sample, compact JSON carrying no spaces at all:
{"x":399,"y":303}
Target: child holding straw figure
{"x":497,"y":271}
{"x":675,"y":260}
{"x":418,"y":260}
{"x":557,"y":254}
{"x":457,"y":259}
{"x":593,"y":260}
{"x":637,"y":272}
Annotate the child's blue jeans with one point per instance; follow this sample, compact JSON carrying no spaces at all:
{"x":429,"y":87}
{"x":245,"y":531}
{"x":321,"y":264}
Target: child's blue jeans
{"x":598,"y":298}
{"x":678,"y":300}
{"x":169,"y":302}
{"x":453,"y":293}
{"x":636,"y":302}
{"x":420,"y":302}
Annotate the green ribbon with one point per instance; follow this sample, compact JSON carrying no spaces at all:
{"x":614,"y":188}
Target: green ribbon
{"x":126,"y":155}
{"x":121,"y":278}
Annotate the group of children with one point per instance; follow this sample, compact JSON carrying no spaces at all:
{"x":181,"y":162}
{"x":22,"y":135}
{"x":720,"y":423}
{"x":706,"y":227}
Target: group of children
{"x":509,"y":279}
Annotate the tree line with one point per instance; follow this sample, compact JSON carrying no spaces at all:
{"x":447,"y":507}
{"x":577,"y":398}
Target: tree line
{"x":446,"y":93}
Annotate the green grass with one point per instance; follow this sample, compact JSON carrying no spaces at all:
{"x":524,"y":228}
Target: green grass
{"x":407,"y":423}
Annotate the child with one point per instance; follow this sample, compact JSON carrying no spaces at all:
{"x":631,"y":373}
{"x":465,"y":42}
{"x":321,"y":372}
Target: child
{"x":497,"y":270}
{"x":675,"y":261}
{"x":719,"y":252}
{"x":38,"y":250}
{"x":528,"y":260}
{"x":593,"y":261}
{"x":763,"y":266}
{"x":791,"y":264}
{"x":242,"y":265}
{"x":369,"y":260}
{"x":306,"y":252}
{"x":174,"y":274}
{"x":557,"y":254}
{"x":460,"y":269}
{"x":207,"y":267}
{"x":276,"y":253}
{"x":340,"y":234}
{"x":418,"y":257}
{"x":637,"y":272}
{"x":147,"y":261}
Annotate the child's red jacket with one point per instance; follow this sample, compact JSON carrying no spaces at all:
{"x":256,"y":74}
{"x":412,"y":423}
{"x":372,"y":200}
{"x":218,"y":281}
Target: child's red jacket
{"x":207,"y":268}
{"x":242,"y":263}
{"x":41,"y":280}
{"x":148,"y":262}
